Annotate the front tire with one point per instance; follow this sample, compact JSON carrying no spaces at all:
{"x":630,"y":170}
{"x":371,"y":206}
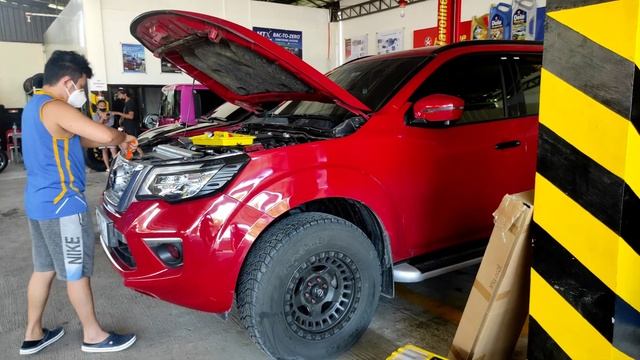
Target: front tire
{"x":309,"y":287}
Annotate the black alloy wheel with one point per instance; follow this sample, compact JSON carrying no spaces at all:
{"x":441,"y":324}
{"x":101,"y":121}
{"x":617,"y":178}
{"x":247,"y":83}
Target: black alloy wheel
{"x":309,"y":287}
{"x":322,"y":293}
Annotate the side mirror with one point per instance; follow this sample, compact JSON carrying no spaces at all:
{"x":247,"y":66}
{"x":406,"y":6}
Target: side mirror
{"x":437,"y":108}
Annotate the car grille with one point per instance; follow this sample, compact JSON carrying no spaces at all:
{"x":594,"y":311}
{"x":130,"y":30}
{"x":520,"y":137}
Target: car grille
{"x":122,"y":250}
{"x":121,"y":183}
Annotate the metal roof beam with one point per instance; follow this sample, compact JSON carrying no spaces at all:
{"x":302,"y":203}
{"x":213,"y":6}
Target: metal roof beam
{"x":366,"y":8}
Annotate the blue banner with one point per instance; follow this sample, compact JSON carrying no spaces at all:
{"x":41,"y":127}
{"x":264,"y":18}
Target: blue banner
{"x":288,"y":39}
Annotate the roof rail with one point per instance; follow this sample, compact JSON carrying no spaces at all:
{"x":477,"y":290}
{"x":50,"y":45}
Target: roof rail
{"x":485,"y":42}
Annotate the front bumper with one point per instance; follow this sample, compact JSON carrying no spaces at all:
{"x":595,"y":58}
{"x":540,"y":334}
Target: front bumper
{"x":215,"y":238}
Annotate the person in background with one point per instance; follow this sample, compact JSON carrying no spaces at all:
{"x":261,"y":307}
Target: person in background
{"x":129,"y":121}
{"x":129,"y":114}
{"x":54,"y":133}
{"x":105,"y":118}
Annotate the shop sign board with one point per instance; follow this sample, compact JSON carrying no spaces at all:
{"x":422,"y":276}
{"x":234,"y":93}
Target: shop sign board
{"x":425,"y":37}
{"x":291,"y":40}
{"x":97,"y":85}
{"x":445,"y":22}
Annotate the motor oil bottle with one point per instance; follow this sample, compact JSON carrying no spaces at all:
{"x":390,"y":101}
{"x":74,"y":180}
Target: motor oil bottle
{"x":500,"y":22}
{"x":540,"y":15}
{"x":479,"y":28}
{"x":523,"y":24}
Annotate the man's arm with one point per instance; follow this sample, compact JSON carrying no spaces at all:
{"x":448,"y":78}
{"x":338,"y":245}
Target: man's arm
{"x":86,"y":143}
{"x":128,"y":116}
{"x":61,"y":114}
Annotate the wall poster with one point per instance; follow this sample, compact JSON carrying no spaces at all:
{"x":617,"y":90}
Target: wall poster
{"x":288,"y":39}
{"x":390,"y":41}
{"x":167,"y":67}
{"x":133,"y":58}
{"x":356,"y":47}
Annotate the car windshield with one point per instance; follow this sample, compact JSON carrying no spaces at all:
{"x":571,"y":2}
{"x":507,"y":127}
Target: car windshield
{"x":226,"y":113}
{"x":372,"y":81}
{"x":222,"y":112}
{"x":170,"y":103}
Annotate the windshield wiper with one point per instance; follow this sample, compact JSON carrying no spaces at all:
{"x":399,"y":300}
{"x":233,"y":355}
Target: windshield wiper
{"x":279,"y":127}
{"x":214,"y":118}
{"x":308,"y":116}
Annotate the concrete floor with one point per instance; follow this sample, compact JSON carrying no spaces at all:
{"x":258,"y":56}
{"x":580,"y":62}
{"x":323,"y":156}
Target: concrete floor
{"x":424,"y":314}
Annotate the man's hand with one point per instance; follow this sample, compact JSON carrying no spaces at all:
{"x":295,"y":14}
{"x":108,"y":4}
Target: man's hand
{"x":103,"y":117}
{"x":129,"y":145}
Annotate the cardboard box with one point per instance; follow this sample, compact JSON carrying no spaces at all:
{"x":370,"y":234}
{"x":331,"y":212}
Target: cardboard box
{"x":498,"y":304}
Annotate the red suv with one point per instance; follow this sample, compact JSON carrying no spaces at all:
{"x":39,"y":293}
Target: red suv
{"x":387,"y":168}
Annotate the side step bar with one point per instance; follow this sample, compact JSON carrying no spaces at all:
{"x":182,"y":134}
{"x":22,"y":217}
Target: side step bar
{"x":407,"y":273}
{"x":439,"y":262}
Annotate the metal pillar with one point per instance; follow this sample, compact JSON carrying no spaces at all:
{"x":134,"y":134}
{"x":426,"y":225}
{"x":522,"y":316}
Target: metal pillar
{"x":585,"y":278}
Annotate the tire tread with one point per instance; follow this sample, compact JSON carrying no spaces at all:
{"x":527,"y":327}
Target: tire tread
{"x":260,"y":259}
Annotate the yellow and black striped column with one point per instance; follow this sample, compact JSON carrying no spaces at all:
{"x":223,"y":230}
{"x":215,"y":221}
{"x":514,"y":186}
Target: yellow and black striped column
{"x":585,"y":278}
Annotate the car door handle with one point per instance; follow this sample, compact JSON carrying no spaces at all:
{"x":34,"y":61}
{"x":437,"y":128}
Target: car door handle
{"x":507,"y":144}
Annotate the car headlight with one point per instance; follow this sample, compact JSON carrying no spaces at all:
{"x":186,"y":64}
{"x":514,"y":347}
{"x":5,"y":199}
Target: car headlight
{"x":180,"y":182}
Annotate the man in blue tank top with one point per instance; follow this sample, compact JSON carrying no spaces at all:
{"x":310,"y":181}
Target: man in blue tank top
{"x":54,"y":134}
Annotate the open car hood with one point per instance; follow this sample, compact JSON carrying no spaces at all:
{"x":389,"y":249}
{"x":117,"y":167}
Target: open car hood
{"x":236,"y":63}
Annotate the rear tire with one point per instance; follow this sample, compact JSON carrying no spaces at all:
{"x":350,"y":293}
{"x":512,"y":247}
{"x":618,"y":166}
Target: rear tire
{"x":309,"y":287}
{"x":4,"y":160}
{"x":94,"y":159}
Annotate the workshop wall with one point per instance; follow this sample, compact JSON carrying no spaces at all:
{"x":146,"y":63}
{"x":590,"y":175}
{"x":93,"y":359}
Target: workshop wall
{"x":24,"y":61}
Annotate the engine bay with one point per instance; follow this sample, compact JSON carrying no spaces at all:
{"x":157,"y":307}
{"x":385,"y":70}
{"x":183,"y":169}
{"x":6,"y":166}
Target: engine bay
{"x":267,"y":134}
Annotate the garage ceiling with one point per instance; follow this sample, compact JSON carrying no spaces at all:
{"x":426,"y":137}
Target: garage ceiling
{"x":45,"y":6}
{"x":16,"y":26}
{"x":327,"y":4}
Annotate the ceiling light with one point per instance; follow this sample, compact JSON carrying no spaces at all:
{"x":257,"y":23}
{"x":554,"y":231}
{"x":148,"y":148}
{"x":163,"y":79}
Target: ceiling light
{"x":402,"y":4}
{"x":57,"y":7}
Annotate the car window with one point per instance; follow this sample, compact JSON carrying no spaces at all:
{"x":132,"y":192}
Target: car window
{"x":477,"y":79}
{"x":170,"y":103}
{"x":528,"y":81}
{"x":373,"y":81}
{"x":205,"y":101}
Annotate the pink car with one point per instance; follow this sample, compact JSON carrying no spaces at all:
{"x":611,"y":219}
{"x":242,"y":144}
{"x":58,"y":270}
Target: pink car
{"x":183,"y":103}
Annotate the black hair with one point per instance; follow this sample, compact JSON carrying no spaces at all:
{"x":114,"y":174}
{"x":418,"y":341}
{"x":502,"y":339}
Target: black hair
{"x":37,"y":80}
{"x":32,"y":82}
{"x":124,"y":92}
{"x":66,"y":63}
{"x":101,"y":101}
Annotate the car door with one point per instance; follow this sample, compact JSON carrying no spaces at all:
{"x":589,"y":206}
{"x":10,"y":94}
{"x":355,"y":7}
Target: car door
{"x":470,"y":163}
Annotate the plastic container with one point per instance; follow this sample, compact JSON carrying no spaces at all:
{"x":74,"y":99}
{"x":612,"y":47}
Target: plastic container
{"x":500,"y":22}
{"x":540,"y":15}
{"x":479,"y":29}
{"x":523,"y":23}
{"x":222,"y":138}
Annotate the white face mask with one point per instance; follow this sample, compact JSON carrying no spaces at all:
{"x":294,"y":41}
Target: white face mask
{"x":77,"y":98}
